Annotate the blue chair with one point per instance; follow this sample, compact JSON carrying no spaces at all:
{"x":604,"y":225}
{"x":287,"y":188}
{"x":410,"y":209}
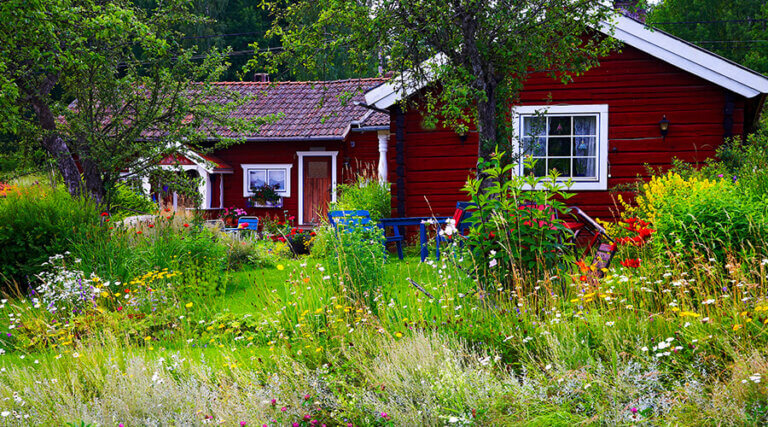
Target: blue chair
{"x":249,"y":224}
{"x":350,"y":218}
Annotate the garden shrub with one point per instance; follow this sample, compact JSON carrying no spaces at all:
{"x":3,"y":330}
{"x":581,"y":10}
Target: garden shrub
{"x":165,"y":241}
{"x":256,"y":253}
{"x":127,"y":201}
{"x":365,"y":193}
{"x":708,"y":215}
{"x":36,"y":223}
{"x":357,"y":258}
{"x":506,"y":237}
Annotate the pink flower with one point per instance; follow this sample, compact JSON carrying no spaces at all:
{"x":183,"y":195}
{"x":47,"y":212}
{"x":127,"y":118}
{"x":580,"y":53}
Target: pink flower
{"x":243,"y":423}
{"x":633,"y":410}
{"x":306,"y":397}
{"x":283,"y":409}
{"x":273,"y":402}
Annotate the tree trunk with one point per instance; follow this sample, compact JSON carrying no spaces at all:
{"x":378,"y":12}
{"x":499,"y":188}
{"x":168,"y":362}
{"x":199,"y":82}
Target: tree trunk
{"x":486,"y":129}
{"x":57,"y":147}
{"x":486,"y":123}
{"x":54,"y":144}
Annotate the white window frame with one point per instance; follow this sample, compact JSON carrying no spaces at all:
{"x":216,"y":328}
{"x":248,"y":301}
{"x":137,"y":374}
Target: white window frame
{"x":286,"y":167}
{"x":600,"y":182}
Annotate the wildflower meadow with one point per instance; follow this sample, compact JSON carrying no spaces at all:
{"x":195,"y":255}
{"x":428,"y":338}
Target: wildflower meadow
{"x":170,"y":320}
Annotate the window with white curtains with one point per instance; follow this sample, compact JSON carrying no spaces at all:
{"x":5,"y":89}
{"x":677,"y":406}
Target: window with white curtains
{"x":573,"y":140}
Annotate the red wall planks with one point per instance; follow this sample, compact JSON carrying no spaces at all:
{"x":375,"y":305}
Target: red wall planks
{"x":350,"y":160}
{"x":639,"y":90}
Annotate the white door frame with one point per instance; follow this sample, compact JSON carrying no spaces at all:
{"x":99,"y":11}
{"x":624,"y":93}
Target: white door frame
{"x":302,"y":155}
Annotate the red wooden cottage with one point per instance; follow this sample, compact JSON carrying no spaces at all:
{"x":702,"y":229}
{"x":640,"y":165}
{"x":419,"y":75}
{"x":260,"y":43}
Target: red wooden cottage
{"x":322,"y":138}
{"x":599,"y":130}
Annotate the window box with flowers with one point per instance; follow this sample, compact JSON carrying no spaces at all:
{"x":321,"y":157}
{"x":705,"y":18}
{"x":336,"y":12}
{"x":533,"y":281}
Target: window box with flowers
{"x":265,"y":196}
{"x":265,"y":185}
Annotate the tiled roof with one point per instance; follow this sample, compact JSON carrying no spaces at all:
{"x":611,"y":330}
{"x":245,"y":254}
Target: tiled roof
{"x":311,"y":110}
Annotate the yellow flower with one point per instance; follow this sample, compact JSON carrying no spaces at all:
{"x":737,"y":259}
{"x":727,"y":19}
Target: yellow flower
{"x":188,"y":305}
{"x":398,"y":334}
{"x":280,"y":267}
{"x":736,"y":327}
{"x":105,"y":294}
{"x":689,"y":314}
{"x":147,"y":338}
{"x":318,"y":350}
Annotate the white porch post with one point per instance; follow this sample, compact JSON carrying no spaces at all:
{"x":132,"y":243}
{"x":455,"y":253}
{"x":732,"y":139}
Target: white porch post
{"x":221,"y":191}
{"x":383,"y":139}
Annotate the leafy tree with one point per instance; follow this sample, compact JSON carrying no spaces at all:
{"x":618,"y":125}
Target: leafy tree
{"x":486,"y":49}
{"x":105,"y":87}
{"x":734,"y":29}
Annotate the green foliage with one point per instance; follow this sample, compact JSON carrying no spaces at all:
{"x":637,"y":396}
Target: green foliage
{"x":703,"y":215}
{"x":513,"y":229}
{"x":746,"y":161}
{"x":365,"y":193}
{"x":357,"y":259}
{"x":734,"y":29}
{"x":75,"y":69}
{"x":37,"y":223}
{"x":129,"y":202}
{"x":480,"y":52}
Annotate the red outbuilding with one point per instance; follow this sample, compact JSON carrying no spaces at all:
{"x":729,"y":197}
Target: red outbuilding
{"x":656,"y":99}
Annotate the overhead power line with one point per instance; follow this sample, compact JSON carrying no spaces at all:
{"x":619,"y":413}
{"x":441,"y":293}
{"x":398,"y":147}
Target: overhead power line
{"x":723,"y":21}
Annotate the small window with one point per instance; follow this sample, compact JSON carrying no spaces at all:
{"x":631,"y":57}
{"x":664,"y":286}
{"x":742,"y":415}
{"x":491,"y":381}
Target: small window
{"x":278,"y":175}
{"x":570,"y":139}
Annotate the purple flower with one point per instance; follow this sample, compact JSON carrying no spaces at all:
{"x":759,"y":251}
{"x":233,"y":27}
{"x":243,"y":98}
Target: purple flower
{"x":633,"y":410}
{"x":720,"y":175}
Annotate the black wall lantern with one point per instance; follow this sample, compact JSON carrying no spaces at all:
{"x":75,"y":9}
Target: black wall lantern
{"x":664,"y":126}
{"x":463,"y":135}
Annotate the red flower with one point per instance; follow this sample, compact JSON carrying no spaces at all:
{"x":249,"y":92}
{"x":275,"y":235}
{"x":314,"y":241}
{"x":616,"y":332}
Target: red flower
{"x":631,"y":263}
{"x":167,"y":209}
{"x":127,"y":290}
{"x":281,"y":239}
{"x":119,"y":308}
{"x":138,"y":232}
{"x":186,"y":225}
{"x":151,"y":225}
{"x":104,"y":214}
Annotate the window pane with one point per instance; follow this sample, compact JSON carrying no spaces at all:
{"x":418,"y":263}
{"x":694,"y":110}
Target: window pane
{"x":585,"y":125}
{"x":533,"y":146}
{"x":561,"y":165}
{"x":584,"y":146}
{"x":584,"y":167}
{"x":257,"y":178}
{"x":277,"y":178}
{"x":534,"y":126}
{"x":540,"y":169}
{"x":559,"y":147}
{"x":560,"y":125}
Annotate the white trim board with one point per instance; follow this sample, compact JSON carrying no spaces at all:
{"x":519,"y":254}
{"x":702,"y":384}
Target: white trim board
{"x":656,"y":43}
{"x":301,"y":155}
